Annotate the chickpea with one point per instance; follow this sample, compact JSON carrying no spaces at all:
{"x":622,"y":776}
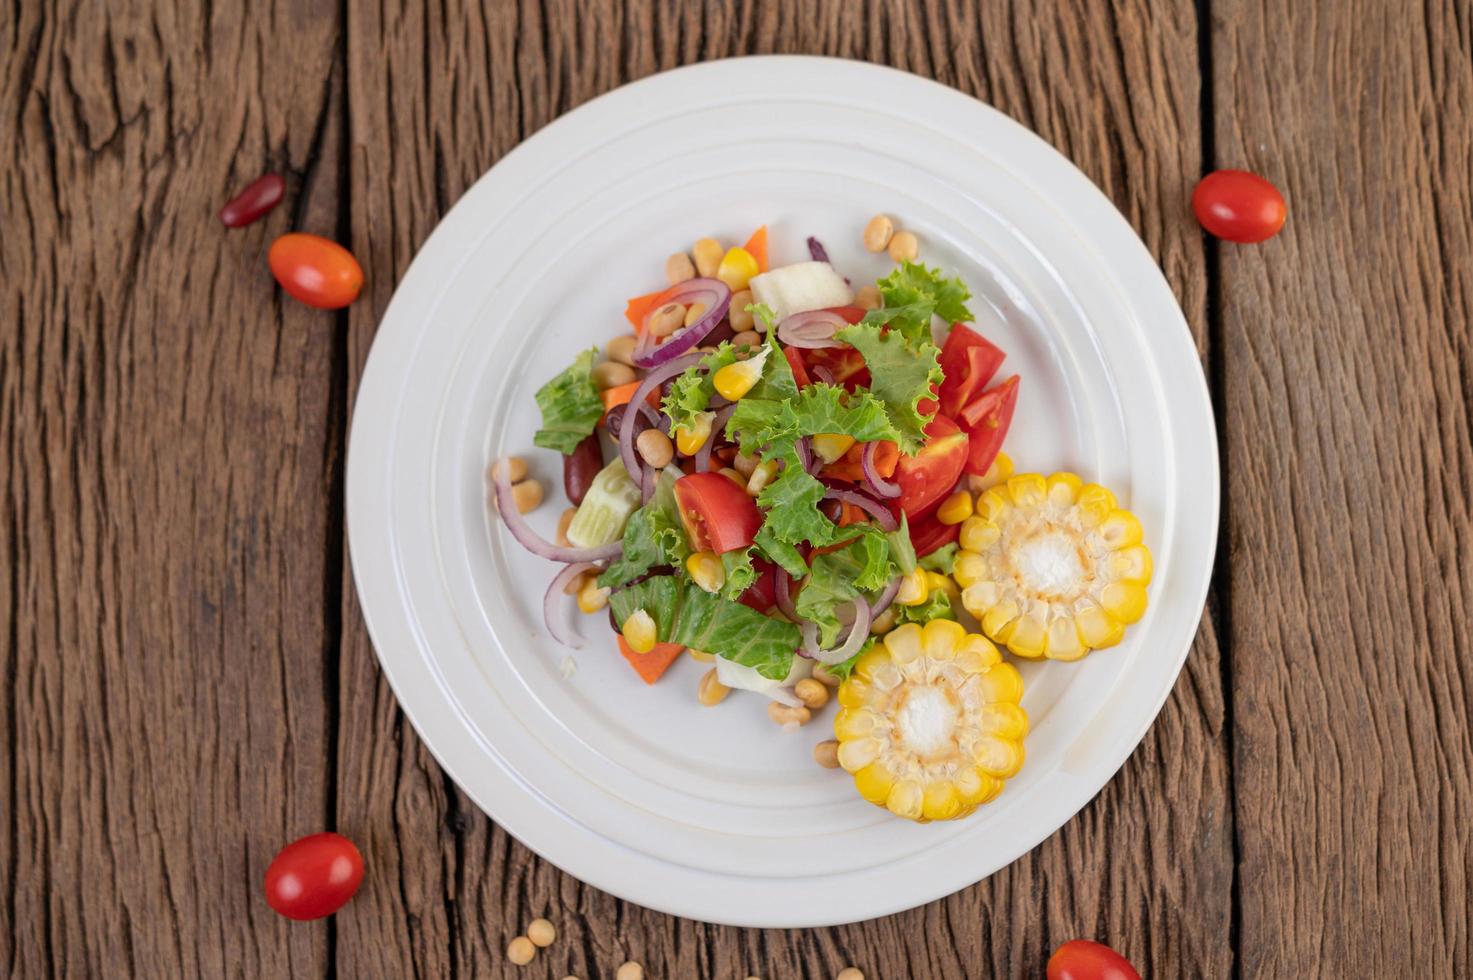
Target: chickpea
{"x":575,"y":585}
{"x":611,"y":374}
{"x":877,"y":233}
{"x":868,"y":298}
{"x":562,"y":526}
{"x":541,"y":932}
{"x":654,"y":448}
{"x":904,"y":247}
{"x":824,"y":676}
{"x":737,"y":312}
{"x":527,"y":495}
{"x":784,"y":715}
{"x":707,"y":252}
{"x":633,"y":971}
{"x":694,"y":313}
{"x":733,"y":476}
{"x":516,"y":469}
{"x":621,"y":349}
{"x":520,"y":951}
{"x":812,"y":693}
{"x":744,"y":464}
{"x":711,"y":691}
{"x":679,"y":268}
{"x":826,"y":754}
{"x":666,"y":320}
{"x":884,"y":622}
{"x":750,"y":338}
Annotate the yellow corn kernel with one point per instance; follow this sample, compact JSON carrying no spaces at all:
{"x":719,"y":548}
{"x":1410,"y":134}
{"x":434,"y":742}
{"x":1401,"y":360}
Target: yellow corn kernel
{"x":1125,"y":601}
{"x":706,"y":570}
{"x":956,"y":508}
{"x":1003,"y":683}
{"x":701,"y":656}
{"x":938,"y":581}
{"x":737,"y":267}
{"x":761,"y":476}
{"x":941,"y":801}
{"x":1027,"y":489}
{"x":830,"y":446}
{"x":904,"y":643}
{"x":853,"y":723}
{"x":856,"y":753}
{"x":591,"y":598}
{"x":968,"y":568}
{"x":993,"y":504}
{"x":1120,"y":529}
{"x":995,"y":621}
{"x":998,"y":757}
{"x":977,"y":787}
{"x":873,"y":783}
{"x":1062,"y":641}
{"x":1097,"y":628}
{"x":905,"y":799}
{"x":1026,"y":636}
{"x":690,"y":440}
{"x":998,"y":472}
{"x":1131,"y":564}
{"x":978,"y":533}
{"x":1095,"y":504}
{"x":1007,"y":721}
{"x":976,"y":654}
{"x":736,"y":379}
{"x":639,"y":632}
{"x":941,"y":637}
{"x":1063,"y":489}
{"x":913,"y":588}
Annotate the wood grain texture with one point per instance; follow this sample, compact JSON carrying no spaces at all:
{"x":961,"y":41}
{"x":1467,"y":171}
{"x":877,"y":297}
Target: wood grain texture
{"x":435,"y":97}
{"x":1348,"y":390}
{"x":168,"y":431}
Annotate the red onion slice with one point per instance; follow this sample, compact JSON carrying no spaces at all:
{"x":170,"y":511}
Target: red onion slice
{"x":626,"y":424}
{"x":527,"y":538}
{"x":872,"y":476}
{"x":805,"y":455}
{"x":885,"y":598}
{"x":714,"y":294}
{"x":873,"y":507}
{"x":816,"y":251}
{"x":813,"y":329}
{"x":559,"y":626}
{"x":784,"y":593}
{"x":703,"y":455}
{"x":857,"y":632}
{"x":823,"y":374}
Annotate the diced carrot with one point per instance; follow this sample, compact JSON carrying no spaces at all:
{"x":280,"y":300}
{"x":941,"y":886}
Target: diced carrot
{"x":757,"y":245}
{"x":618,"y":395}
{"x":640,"y":306}
{"x":649,"y":666}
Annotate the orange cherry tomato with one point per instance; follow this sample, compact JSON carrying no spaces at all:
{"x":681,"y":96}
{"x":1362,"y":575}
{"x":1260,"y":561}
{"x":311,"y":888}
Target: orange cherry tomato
{"x":314,"y":876}
{"x":1080,"y":959}
{"x":315,"y":270}
{"x":1238,"y":206}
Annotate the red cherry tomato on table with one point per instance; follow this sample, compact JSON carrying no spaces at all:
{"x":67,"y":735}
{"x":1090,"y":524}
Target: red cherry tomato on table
{"x":928,"y":476}
{"x":315,"y":270}
{"x":717,"y":514}
{"x":314,"y":876}
{"x":251,"y":204}
{"x":1238,"y":206}
{"x":1080,"y":959}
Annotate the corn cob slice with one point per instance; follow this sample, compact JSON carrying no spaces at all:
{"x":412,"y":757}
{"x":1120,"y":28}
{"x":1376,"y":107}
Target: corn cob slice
{"x":929,"y":724}
{"x":1052,"y":567}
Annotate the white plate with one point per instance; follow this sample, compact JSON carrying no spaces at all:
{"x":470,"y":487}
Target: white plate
{"x":717,"y":814}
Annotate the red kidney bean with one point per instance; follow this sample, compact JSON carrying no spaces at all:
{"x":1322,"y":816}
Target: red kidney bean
{"x":251,"y":204}
{"x":581,"y":467}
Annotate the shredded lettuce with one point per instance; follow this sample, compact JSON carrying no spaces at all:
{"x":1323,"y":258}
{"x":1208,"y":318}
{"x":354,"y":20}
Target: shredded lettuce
{"x":941,"y":560}
{"x":901,"y":374}
{"x":571,"y":406}
{"x":763,"y":312}
{"x":691,"y":391}
{"x":687,"y":615}
{"x":912,"y":294}
{"x":759,"y":422}
{"x":902,"y":552}
{"x":937,"y":606}
{"x":780,"y":553}
{"x":654,"y":536}
{"x":844,"y":669}
{"x":840,"y":577}
{"x":740,"y":574}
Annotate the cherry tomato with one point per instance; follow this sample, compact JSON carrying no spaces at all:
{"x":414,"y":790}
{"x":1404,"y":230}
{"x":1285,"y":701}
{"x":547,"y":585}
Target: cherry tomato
{"x":987,"y":419}
{"x":314,"y":876}
{"x":795,"y":362}
{"x":253,"y":203}
{"x":317,"y":271}
{"x":929,"y":475}
{"x":1238,"y":206}
{"x":928,"y":534}
{"x":761,"y":595}
{"x":969,"y":361}
{"x":844,"y":365}
{"x":1080,"y":959}
{"x":717,"y":514}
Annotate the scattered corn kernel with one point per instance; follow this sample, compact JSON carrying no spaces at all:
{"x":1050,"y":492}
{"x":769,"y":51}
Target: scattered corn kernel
{"x":956,"y":508}
{"x":877,"y":233}
{"x":929,"y":724}
{"x":639,"y":631}
{"x":737,"y":267}
{"x":913,"y":588}
{"x":826,"y":754}
{"x":707,"y":254}
{"x":830,"y":446}
{"x":520,"y":951}
{"x":762,"y":475}
{"x":541,"y":932}
{"x":690,"y":440}
{"x":592,"y":598}
{"x":733,"y":476}
{"x":735,"y":380}
{"x":812,"y":693}
{"x":706,"y":570}
{"x":711,"y":691}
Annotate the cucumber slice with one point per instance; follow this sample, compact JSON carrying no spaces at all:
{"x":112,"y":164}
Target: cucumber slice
{"x":611,"y":498}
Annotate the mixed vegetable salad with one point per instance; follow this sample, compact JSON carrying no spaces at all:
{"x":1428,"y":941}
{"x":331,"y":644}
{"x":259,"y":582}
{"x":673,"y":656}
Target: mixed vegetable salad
{"x":791,"y":479}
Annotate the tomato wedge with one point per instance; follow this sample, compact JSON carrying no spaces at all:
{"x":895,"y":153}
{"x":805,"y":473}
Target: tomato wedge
{"x":795,"y":361}
{"x":844,"y":364}
{"x":717,"y":514}
{"x":969,"y":361}
{"x":987,"y":419}
{"x":928,"y":535}
{"x":928,"y":476}
{"x":761,"y":595}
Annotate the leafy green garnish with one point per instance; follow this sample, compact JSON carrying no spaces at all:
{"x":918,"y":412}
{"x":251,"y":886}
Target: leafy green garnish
{"x":843,"y":669}
{"x":902,"y":552}
{"x":937,"y":606}
{"x":901,"y":375}
{"x":653,"y":536}
{"x":839,"y":577}
{"x":687,"y":615}
{"x":691,"y":391}
{"x":941,"y":560}
{"x":739,"y":572}
{"x":763,"y":312}
{"x":912,"y":294}
{"x":570,"y":406}
{"x":780,"y":553}
{"x":777,"y":382}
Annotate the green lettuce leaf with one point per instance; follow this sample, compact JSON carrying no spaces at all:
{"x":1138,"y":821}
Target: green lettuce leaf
{"x":937,"y":606}
{"x":765,"y":313}
{"x":780,"y":553}
{"x":739,"y":572}
{"x":759,"y":422}
{"x":901,"y":375}
{"x":777,"y":382}
{"x":840,"y":577}
{"x":685,"y":614}
{"x":912,"y":294}
{"x":570,"y":405}
{"x":653,"y":536}
{"x":941,"y":560}
{"x":691,"y":391}
{"x":843,"y":669}
{"x":902,"y":552}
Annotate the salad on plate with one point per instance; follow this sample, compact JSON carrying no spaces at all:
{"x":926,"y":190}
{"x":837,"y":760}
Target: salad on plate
{"x":803,"y":484}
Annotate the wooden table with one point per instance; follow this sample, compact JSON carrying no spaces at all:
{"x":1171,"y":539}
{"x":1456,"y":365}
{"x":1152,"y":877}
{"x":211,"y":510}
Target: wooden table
{"x":187,"y":681}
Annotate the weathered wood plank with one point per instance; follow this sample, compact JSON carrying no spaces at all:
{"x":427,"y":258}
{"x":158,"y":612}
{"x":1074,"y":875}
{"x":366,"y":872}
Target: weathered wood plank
{"x":168,"y":430}
{"x":436,"y":95}
{"x":1348,"y":393}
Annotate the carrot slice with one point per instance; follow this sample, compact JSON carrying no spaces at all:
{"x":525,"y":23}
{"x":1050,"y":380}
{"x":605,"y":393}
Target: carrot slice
{"x":757,"y":245}
{"x":649,"y":666}
{"x":640,"y":306}
{"x":619,"y":394}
